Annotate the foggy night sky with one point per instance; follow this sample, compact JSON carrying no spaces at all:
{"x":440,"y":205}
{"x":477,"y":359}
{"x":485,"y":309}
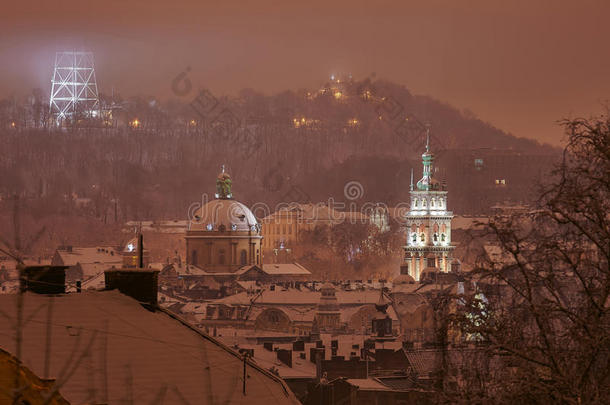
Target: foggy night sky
{"x":520,"y":65}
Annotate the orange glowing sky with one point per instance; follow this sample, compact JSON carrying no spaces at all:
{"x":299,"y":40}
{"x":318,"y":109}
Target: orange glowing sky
{"x":520,"y":65}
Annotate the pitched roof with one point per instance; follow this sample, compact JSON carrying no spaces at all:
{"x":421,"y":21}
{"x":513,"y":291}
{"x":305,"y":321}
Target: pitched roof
{"x":104,"y":347}
{"x":287,"y":268}
{"x":88,"y":255}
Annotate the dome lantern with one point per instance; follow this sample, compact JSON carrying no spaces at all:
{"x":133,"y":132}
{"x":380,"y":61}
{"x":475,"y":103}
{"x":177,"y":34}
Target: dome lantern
{"x":223,"y":185}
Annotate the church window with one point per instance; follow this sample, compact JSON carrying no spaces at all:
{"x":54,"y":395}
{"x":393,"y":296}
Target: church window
{"x":243,"y":257}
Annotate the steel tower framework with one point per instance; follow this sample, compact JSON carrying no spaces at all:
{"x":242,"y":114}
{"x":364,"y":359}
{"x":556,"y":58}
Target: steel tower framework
{"x":73,"y":87}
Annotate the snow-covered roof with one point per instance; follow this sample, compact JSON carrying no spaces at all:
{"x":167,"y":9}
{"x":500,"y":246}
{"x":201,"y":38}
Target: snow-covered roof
{"x":106,"y":348}
{"x":74,"y":255}
{"x":286,"y":268}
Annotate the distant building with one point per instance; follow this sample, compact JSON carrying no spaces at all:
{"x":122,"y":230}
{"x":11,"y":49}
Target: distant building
{"x":428,"y":224}
{"x":282,"y":229}
{"x":86,"y":264}
{"x":223,"y":236}
{"x":297,"y":311}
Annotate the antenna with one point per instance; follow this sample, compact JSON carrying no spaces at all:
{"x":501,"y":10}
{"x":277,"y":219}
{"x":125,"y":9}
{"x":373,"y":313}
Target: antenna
{"x":73,"y":86}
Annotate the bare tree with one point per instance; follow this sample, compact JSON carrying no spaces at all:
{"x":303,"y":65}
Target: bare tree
{"x":543,"y":301}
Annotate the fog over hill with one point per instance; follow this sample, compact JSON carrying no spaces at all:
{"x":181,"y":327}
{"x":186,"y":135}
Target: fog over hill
{"x":296,"y":145}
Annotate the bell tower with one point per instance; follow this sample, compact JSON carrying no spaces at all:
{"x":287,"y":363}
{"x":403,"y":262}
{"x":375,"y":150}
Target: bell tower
{"x":428,"y":223}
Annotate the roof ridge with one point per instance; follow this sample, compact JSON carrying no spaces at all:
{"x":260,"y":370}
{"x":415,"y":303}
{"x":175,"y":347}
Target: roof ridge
{"x":287,"y":391}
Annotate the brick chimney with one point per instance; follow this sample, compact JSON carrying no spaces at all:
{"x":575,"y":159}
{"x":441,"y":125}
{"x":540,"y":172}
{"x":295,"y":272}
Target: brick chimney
{"x":43,"y":279}
{"x":140,"y":284}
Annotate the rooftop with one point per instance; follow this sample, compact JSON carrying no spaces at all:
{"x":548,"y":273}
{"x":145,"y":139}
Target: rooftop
{"x":104,"y":347}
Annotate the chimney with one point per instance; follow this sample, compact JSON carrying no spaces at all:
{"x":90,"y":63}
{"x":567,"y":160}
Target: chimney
{"x":139,"y":284}
{"x":43,"y":279}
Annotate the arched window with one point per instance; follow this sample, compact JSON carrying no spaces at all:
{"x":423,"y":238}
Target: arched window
{"x":221,"y":256}
{"x":423,"y":202}
{"x":414,"y":237}
{"x":436,"y":237}
{"x":415,"y":203}
{"x":442,"y":237}
{"x":423,"y":237}
{"x":243,"y":257}
{"x":194,"y":258}
{"x":432,"y":202}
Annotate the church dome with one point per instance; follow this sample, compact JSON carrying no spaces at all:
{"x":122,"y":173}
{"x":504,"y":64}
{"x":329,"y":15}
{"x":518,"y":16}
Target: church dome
{"x":224,"y":215}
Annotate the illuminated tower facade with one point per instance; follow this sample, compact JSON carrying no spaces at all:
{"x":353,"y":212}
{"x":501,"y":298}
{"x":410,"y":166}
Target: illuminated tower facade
{"x":73,"y":87}
{"x":428,"y":224}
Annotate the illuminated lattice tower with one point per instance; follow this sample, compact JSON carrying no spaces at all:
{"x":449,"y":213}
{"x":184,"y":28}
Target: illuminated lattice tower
{"x":428,"y":224}
{"x":73,"y":87}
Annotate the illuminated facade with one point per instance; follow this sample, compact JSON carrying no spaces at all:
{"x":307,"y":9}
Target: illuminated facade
{"x":428,"y":224}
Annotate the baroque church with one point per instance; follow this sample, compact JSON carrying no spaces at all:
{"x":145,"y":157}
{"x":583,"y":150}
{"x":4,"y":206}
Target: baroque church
{"x":224,"y":234}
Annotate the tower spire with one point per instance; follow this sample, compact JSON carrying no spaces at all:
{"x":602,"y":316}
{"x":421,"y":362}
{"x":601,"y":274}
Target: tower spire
{"x":411,"y":179}
{"x":428,"y":139}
